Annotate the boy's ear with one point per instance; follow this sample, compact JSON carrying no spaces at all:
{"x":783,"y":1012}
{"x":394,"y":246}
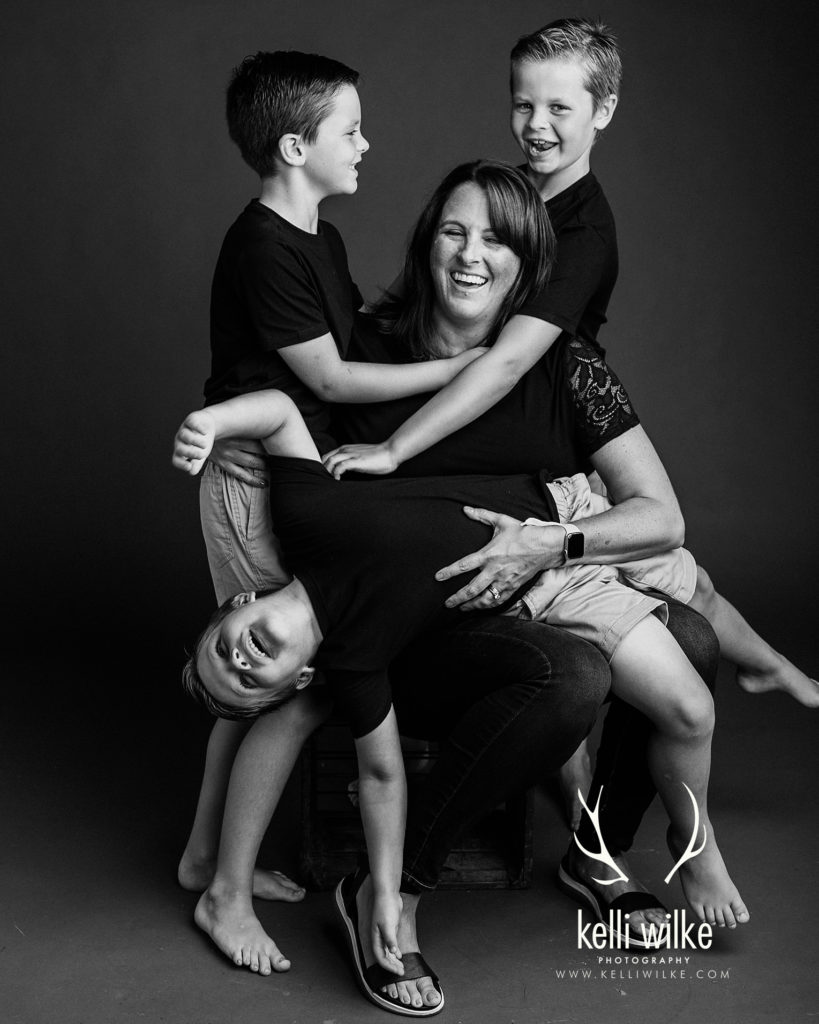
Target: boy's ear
{"x":292,"y":149}
{"x":247,"y":598}
{"x":605,"y":112}
{"x":305,"y":677}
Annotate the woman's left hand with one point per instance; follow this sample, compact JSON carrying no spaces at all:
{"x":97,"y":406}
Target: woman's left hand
{"x":514,"y":556}
{"x":376,"y":459}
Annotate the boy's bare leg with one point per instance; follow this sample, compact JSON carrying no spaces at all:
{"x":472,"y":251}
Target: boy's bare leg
{"x":576,"y":774}
{"x":198,"y":861}
{"x":760,"y":668}
{"x":650,"y":672}
{"x":261,"y":768}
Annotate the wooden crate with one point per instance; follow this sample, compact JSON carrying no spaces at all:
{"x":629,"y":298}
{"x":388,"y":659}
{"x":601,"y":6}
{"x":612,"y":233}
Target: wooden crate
{"x":496,"y":853}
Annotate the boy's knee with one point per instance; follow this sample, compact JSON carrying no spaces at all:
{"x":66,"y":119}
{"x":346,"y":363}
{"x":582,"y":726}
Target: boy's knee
{"x":692,"y":717}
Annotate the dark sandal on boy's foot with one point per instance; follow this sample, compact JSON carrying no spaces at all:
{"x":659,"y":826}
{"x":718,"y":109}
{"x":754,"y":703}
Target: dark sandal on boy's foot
{"x":627,"y":903}
{"x":373,"y":978}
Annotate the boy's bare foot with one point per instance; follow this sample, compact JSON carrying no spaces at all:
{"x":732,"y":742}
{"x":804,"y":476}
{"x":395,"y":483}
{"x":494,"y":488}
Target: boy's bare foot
{"x":228,"y":918}
{"x":784,"y":676}
{"x":196,"y":875}
{"x":707,"y":886}
{"x":585,"y":869}
{"x":575,"y":774}
{"x":416,"y":992}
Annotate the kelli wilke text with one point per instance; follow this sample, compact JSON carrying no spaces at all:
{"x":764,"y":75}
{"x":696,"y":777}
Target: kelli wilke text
{"x":676,"y":933}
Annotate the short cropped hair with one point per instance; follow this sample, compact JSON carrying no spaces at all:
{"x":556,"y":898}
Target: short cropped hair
{"x":279,"y":93}
{"x":193,"y":685}
{"x":518,"y":218}
{"x":590,"y":42}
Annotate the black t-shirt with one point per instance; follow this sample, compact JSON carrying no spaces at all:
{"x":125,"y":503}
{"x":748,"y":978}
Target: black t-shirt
{"x":556,"y":417}
{"x":276,"y":285}
{"x":367,"y":552}
{"x":577,"y":295}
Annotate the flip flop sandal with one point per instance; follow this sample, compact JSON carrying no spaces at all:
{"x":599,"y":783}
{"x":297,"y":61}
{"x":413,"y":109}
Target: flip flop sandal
{"x":371,"y":979}
{"x":627,"y":903}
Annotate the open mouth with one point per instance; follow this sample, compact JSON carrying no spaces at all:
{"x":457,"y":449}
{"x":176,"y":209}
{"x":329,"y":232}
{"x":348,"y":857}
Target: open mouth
{"x":468,"y":280}
{"x":254,"y":645}
{"x":540,"y":146}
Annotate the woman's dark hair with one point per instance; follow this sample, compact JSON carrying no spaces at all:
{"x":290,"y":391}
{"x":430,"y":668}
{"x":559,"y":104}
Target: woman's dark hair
{"x":518,"y":218}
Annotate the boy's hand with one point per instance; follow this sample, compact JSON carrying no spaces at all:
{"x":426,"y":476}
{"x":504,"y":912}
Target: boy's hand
{"x":193,"y":442}
{"x":245,"y":460}
{"x":376,"y":459}
{"x":386,"y":914}
{"x":463,"y":359}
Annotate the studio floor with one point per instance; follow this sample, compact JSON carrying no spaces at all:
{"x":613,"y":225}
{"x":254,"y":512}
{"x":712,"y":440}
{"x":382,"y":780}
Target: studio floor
{"x":96,"y":796}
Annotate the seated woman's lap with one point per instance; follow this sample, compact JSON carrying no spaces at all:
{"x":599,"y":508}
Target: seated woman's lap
{"x":511,"y":700}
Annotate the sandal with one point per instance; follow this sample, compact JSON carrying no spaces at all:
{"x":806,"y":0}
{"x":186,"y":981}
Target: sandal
{"x":373,"y":978}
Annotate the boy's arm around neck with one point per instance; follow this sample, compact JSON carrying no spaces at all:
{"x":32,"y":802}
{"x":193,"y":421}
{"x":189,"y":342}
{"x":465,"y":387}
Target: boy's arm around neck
{"x":521,"y":343}
{"x":317,"y":364}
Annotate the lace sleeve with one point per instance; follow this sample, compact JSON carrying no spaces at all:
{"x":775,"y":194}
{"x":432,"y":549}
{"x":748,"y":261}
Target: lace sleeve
{"x":602,"y":408}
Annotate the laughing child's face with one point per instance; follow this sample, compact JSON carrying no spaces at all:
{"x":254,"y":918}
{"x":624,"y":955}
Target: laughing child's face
{"x":554,"y":121}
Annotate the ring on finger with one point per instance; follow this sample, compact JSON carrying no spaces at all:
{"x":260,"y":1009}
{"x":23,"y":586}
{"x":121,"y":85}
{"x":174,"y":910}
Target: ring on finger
{"x":493,"y":592}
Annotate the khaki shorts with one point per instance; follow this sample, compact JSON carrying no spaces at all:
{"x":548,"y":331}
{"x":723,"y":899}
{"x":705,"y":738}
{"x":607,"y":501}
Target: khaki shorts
{"x":603,"y":603}
{"x":243,"y":552}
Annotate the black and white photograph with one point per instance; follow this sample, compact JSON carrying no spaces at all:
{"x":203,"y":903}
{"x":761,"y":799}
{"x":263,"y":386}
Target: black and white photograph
{"x":404,"y":618}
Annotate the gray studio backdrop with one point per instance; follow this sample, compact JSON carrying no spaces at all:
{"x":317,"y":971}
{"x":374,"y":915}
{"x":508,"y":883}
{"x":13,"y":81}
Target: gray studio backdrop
{"x":120,"y":182}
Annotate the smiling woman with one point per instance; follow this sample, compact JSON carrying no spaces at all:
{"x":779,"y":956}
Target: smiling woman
{"x":482,"y":246}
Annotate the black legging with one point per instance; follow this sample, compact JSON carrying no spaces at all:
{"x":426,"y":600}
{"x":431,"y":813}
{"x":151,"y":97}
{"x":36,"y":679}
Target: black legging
{"x":513,"y":699}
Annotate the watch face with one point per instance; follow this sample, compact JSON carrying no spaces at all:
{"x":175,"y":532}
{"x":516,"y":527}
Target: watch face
{"x":575,"y":545}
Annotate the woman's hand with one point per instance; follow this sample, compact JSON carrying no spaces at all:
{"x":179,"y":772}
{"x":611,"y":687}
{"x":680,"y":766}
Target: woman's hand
{"x":376,"y":459}
{"x":193,"y":442}
{"x":384,"y":932}
{"x":243,"y":459}
{"x":514,"y":556}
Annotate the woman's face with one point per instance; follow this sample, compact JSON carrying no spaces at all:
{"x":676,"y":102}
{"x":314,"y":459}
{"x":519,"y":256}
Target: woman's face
{"x":472,"y":270}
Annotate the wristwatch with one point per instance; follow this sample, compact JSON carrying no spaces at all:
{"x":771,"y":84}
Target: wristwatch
{"x":574,"y":543}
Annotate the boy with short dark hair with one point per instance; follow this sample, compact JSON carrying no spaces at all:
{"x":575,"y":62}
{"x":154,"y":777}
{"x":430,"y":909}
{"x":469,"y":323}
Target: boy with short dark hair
{"x":283,"y":301}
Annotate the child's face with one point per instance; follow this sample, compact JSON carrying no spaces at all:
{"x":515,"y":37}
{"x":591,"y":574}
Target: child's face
{"x":256,"y":651}
{"x":331,"y":160}
{"x":554,"y":121}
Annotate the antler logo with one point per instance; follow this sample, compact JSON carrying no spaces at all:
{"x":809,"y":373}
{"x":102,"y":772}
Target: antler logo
{"x":690,"y":852}
{"x":603,"y":856}
{"x":606,"y":858}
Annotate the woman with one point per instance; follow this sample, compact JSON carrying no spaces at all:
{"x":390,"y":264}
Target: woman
{"x":456,"y":308}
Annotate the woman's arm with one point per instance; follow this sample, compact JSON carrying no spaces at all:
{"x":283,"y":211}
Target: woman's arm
{"x":383,"y":802}
{"x":520,"y":344}
{"x":317,"y":364}
{"x":269,"y":416}
{"x":645,"y":519}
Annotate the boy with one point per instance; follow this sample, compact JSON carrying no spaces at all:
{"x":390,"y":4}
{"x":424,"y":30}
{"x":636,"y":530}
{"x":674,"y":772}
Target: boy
{"x":282,"y":301}
{"x":282,"y":307}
